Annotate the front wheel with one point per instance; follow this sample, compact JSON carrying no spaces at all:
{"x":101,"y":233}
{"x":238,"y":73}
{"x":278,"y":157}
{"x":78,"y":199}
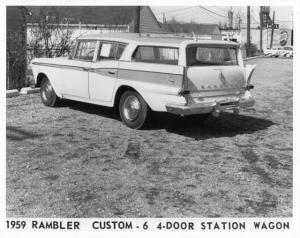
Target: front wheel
{"x":48,"y":96}
{"x":133,"y":109}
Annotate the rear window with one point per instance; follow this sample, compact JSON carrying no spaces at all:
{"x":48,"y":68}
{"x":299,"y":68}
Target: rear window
{"x":203,"y":55}
{"x":154,"y":54}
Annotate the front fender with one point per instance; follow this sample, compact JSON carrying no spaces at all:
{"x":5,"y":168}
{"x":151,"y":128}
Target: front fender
{"x":56,"y":84}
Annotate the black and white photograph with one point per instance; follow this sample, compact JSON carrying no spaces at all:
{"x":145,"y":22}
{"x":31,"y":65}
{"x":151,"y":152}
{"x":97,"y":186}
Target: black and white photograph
{"x":149,"y":111}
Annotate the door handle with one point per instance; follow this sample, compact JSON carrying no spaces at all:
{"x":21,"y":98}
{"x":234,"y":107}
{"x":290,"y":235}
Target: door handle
{"x":85,"y":69}
{"x":112,"y":72}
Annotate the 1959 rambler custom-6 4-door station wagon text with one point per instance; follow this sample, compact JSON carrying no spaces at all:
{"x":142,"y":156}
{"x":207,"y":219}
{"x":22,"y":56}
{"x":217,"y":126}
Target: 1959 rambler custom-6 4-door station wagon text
{"x":137,"y":74}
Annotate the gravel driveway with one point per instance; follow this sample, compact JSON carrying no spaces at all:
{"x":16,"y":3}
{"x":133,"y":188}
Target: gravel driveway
{"x":79,"y":160}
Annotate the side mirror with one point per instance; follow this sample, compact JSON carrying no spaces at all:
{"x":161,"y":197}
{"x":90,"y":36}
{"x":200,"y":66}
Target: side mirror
{"x":249,"y":69}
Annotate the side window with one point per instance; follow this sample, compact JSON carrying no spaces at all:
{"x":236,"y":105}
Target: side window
{"x":85,"y":50}
{"x":154,"y":54}
{"x":168,"y":54}
{"x":144,"y":54}
{"x":110,"y":51}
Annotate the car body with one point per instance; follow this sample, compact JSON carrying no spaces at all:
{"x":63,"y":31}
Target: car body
{"x":138,"y":74}
{"x":288,"y":51}
{"x":274,"y":52}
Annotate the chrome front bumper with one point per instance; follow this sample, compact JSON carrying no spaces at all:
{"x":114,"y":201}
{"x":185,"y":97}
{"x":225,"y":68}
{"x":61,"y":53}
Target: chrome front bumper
{"x":233,"y":104}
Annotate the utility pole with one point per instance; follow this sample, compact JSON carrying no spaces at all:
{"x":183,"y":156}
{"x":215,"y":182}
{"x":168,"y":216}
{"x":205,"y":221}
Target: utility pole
{"x":239,"y":23}
{"x":292,"y":31}
{"x":267,"y":38}
{"x":230,"y":18}
{"x":248,"y":32}
{"x":261,"y":29}
{"x":164,"y":18}
{"x":137,"y":19}
{"x":272,"y":32}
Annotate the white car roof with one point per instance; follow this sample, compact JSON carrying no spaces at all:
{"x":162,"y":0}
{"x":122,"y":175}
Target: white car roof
{"x":158,"y":39}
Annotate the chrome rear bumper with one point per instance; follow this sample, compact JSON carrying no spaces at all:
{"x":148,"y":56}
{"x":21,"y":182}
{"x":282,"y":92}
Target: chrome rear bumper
{"x":214,"y":107}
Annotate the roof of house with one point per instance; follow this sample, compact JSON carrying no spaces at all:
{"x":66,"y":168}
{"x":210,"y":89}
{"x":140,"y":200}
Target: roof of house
{"x":86,"y":14}
{"x":148,"y":21}
{"x":198,"y":29}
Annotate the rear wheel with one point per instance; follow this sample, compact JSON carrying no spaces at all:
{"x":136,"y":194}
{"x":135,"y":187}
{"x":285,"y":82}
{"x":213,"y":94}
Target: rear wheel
{"x":133,"y":109}
{"x":48,"y":95}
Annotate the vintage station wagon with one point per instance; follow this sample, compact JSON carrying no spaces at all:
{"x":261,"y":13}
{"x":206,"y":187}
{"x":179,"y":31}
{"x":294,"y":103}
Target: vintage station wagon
{"x":137,"y":74}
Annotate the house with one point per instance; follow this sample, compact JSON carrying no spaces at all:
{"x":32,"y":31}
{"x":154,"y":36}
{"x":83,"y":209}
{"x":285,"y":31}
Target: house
{"x":105,"y":18}
{"x":20,"y":20}
{"x":87,"y":20}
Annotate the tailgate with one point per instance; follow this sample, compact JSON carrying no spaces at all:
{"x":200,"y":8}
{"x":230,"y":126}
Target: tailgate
{"x":214,"y":70}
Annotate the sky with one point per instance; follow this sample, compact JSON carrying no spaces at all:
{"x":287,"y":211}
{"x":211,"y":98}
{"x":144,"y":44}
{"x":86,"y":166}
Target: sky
{"x":216,"y":14}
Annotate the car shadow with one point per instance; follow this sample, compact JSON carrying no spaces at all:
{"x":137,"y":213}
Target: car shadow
{"x":107,"y":112}
{"x":199,"y":128}
{"x":196,"y":127}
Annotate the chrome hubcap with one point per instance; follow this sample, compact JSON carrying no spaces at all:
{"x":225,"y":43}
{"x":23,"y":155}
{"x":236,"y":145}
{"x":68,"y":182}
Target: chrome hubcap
{"x":131,"y":108}
{"x":47,"y":91}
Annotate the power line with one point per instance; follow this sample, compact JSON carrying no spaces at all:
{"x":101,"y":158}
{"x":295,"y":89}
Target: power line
{"x":187,"y":16}
{"x":253,"y":18}
{"x":183,"y":14}
{"x":221,"y":9}
{"x":208,"y":14}
{"x":212,"y":12}
{"x":177,"y":10}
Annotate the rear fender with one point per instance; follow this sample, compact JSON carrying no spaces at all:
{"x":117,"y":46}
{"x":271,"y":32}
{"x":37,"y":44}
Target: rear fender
{"x":156,"y":97}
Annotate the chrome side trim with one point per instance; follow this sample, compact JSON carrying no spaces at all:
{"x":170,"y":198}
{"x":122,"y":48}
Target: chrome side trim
{"x":105,"y":71}
{"x":61,"y":66}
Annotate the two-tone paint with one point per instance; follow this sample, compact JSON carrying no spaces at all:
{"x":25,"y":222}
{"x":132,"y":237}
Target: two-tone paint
{"x":98,"y":82}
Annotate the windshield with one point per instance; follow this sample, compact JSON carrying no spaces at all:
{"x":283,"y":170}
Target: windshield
{"x":211,"y":55}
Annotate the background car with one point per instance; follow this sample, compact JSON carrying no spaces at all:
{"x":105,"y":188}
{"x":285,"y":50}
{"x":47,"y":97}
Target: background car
{"x":288,"y":51}
{"x":274,"y":52}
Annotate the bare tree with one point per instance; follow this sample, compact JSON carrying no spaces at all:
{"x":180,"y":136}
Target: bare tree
{"x":48,"y":37}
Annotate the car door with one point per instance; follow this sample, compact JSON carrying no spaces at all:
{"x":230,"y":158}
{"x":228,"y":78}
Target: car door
{"x":103,"y":72}
{"x":76,"y":72}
